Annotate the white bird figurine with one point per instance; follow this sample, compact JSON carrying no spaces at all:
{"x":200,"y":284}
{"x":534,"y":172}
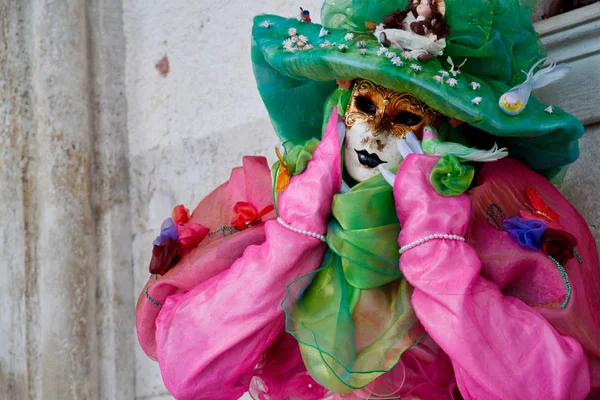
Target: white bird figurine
{"x":514,"y":101}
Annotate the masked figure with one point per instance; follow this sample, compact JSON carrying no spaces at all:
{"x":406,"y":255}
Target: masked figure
{"x":407,"y":244}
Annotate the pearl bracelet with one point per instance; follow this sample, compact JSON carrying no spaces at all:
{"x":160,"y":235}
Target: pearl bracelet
{"x":444,"y":236}
{"x":300,"y":231}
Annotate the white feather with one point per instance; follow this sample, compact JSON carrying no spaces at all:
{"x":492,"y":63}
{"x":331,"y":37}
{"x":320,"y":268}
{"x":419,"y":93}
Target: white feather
{"x":413,"y":143}
{"x":345,"y":187}
{"x":551,"y":74}
{"x":403,"y":148}
{"x":341,"y":131}
{"x":387,"y":175}
{"x":493,"y":154}
{"x":464,"y":153}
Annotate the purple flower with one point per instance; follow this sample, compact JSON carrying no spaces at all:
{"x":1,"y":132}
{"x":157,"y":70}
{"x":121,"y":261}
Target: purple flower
{"x":528,"y":233}
{"x":168,"y":230}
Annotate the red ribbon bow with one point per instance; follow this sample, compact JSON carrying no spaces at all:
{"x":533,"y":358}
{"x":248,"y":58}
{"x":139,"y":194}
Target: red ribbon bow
{"x":247,"y":215}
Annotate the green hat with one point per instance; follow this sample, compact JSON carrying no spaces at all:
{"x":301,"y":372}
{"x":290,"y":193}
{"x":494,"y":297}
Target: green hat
{"x":495,"y":36}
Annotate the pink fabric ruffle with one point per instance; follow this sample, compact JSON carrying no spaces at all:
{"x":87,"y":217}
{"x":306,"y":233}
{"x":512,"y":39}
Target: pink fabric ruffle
{"x":250,"y":183}
{"x":210,"y":336}
{"x":500,"y":347}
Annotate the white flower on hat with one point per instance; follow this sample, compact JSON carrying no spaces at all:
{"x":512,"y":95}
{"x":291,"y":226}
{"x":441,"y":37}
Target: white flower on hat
{"x":390,"y":54}
{"x":303,"y":38}
{"x":349,"y":36}
{"x":444,"y":73}
{"x":475,"y":85}
{"x":416,"y":67}
{"x":382,"y":50}
{"x":343,"y":47}
{"x":452,"y":82}
{"x":407,"y":55}
{"x":362,"y":51}
{"x":477,"y":100}
{"x":549,"y":110}
{"x":266,"y":24}
{"x":288,"y":44}
{"x":292,"y":31}
{"x":325,"y":44}
{"x":439,"y":79}
{"x":361,"y":43}
{"x":324,"y":32}
{"x":397,"y":61}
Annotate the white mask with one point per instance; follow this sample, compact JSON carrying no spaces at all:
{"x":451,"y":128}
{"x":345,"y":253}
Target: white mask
{"x":376,"y":119}
{"x":365,"y":151}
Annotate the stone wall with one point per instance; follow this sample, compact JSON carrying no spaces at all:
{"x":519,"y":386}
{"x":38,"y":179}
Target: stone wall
{"x":67,"y":283}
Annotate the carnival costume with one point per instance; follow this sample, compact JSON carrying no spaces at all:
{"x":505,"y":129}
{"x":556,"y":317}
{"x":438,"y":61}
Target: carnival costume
{"x":455,"y":273}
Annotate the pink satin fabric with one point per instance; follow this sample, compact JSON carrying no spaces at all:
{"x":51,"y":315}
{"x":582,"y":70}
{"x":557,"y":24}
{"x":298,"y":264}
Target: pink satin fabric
{"x":210,"y":337}
{"x":500,"y":347}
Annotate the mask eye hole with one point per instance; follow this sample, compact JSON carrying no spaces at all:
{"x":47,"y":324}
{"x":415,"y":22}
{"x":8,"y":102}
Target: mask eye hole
{"x":407,"y":118}
{"x":365,"y":105}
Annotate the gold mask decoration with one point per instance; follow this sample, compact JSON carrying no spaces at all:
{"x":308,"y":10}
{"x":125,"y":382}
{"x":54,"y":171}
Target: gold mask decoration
{"x":387,"y":111}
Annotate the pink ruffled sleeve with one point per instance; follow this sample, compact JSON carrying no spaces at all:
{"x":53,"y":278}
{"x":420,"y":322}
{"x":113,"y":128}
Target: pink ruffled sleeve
{"x":500,"y":348}
{"x":209,"y":339}
{"x":216,"y":253}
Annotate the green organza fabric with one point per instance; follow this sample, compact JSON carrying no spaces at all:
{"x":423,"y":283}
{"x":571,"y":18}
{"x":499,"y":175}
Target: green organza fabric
{"x":297,"y":157}
{"x":450,"y":178}
{"x":355,"y":319}
{"x":495,"y":36}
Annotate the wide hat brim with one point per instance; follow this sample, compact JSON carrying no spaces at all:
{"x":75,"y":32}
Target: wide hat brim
{"x":496,"y":38}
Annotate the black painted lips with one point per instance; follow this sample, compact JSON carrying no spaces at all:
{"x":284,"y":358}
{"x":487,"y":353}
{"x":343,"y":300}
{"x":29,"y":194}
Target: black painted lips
{"x":367,"y":159}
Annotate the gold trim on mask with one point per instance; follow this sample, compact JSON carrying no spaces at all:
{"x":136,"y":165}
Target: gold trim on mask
{"x":388,"y":110}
